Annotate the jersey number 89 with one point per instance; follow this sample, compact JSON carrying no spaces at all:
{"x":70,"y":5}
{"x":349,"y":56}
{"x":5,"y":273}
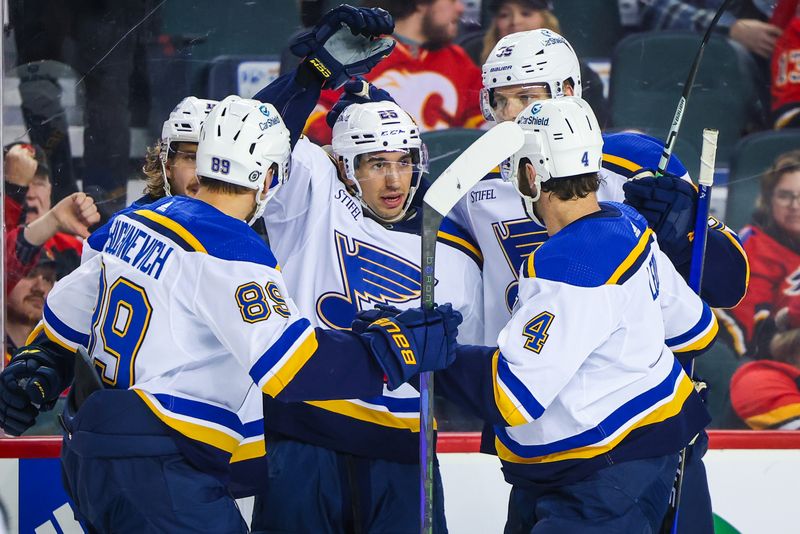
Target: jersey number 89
{"x":257,"y":303}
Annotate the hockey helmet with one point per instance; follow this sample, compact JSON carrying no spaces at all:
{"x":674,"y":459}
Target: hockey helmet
{"x":182,"y":126}
{"x":378,"y":127}
{"x":535,"y":57}
{"x":562,"y":140}
{"x":239,"y":142}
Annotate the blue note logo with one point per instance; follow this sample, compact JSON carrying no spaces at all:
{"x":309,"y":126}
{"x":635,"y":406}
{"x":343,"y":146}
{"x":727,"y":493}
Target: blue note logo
{"x":517,"y":238}
{"x":370,"y":275}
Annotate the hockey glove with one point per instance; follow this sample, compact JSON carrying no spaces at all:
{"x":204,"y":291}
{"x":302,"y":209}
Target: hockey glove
{"x":367,"y":317}
{"x":414,"y":341}
{"x":345,"y":43}
{"x":358,"y":91}
{"x":668,"y":203}
{"x":30,"y":382}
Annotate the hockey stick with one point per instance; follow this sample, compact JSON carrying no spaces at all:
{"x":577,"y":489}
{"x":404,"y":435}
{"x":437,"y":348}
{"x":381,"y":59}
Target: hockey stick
{"x":687,"y":89}
{"x":708,"y":158}
{"x":466,"y":170}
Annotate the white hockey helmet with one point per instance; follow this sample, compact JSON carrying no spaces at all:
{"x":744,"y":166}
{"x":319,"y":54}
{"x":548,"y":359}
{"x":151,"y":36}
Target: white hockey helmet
{"x":562,"y":140}
{"x":534,"y":57}
{"x":239,"y":142}
{"x":182,"y":126}
{"x":378,"y":127}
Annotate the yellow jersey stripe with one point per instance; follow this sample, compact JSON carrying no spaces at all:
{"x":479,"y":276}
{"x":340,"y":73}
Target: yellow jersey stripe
{"x":362,"y":413}
{"x":504,"y":403}
{"x":36,"y":331}
{"x":463,"y":242}
{"x":195,"y":431}
{"x":773,"y":417}
{"x":52,"y":336}
{"x":632,"y":257}
{"x":530,"y":270}
{"x":704,"y":341}
{"x":622,"y":162}
{"x":662,"y":413}
{"x":292,"y":366}
{"x":249,"y":451}
{"x":175,"y":227}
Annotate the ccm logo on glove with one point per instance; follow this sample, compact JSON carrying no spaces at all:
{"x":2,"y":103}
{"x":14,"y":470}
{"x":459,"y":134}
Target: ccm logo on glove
{"x":399,"y":339}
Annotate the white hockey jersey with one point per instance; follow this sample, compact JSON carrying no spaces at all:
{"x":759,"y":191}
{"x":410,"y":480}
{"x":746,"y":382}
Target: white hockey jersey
{"x":584,"y":374}
{"x":190,"y":311}
{"x":336,"y":262}
{"x":493,"y":214}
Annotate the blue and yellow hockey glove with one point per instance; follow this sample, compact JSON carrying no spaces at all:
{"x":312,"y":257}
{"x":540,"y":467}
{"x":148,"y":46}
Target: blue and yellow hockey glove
{"x":347,"y":42}
{"x":668,"y":203}
{"x":414,"y":341}
{"x":365,"y":318}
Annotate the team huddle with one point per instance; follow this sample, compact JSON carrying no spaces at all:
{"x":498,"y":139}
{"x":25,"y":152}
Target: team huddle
{"x":231,"y":367}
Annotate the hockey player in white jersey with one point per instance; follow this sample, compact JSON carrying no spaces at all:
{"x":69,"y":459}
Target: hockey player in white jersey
{"x":346,"y":229}
{"x":528,"y":66}
{"x":590,"y":404}
{"x":190,"y":310}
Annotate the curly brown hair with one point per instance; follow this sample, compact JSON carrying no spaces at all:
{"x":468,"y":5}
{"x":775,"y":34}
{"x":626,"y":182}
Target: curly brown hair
{"x":153,"y":172}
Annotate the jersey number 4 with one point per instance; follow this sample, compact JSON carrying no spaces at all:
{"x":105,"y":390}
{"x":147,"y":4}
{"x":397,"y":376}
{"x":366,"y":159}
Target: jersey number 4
{"x":123,"y":315}
{"x":535,"y":331}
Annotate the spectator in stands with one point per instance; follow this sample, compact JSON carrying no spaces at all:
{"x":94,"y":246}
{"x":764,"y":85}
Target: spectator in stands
{"x":744,"y":22}
{"x":772,"y":243}
{"x":26,"y":303}
{"x":785,"y":79}
{"x":511,"y":16}
{"x":31,"y":224}
{"x":766,"y":393}
{"x":431,"y":78}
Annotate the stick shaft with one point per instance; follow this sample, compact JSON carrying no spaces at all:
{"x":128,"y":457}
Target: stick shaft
{"x":706,"y":181}
{"x":430,"y":228}
{"x":687,"y":90}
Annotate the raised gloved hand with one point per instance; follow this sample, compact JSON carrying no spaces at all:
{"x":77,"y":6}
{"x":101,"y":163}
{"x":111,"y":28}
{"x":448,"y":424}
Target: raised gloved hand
{"x":668,"y":203}
{"x":358,"y":91}
{"x":414,"y":341}
{"x":29,"y":383}
{"x":367,"y":317}
{"x":345,"y":43}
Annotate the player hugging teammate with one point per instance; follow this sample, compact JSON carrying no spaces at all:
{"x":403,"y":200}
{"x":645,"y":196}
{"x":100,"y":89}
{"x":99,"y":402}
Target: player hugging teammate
{"x":573,"y":304}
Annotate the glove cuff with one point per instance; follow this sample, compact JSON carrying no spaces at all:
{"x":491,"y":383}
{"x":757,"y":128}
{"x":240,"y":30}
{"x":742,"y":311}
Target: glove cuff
{"x":394,"y":349}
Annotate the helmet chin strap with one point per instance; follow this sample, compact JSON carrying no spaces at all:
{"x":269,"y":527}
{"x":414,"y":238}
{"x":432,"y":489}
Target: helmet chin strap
{"x":162,"y":158}
{"x":528,"y":202}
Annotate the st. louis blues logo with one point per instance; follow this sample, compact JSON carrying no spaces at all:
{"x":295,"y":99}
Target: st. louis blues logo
{"x":370,"y":275}
{"x":518,"y":238}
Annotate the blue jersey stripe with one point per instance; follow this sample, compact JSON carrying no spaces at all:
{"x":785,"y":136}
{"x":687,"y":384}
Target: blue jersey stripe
{"x":518,"y":389}
{"x":607,"y":427}
{"x":702,"y":324}
{"x":278,"y":349}
{"x":63,"y":330}
{"x":200,"y":410}
{"x":394,"y":404}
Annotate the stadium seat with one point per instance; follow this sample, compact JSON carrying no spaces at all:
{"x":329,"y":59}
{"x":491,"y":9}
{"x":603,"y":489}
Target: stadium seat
{"x":240,"y":75}
{"x":243,"y":27}
{"x":445,"y":145}
{"x":592,"y":28}
{"x":752,"y":156}
{"x":716,"y":367}
{"x":648,"y":71}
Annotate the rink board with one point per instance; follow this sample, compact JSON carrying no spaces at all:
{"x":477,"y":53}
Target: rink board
{"x":753,"y":478}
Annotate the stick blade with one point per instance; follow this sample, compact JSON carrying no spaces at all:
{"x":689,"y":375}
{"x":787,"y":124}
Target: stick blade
{"x":474,"y":163}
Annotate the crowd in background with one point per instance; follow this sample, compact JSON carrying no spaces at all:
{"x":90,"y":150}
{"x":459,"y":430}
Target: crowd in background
{"x":434,"y":73}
